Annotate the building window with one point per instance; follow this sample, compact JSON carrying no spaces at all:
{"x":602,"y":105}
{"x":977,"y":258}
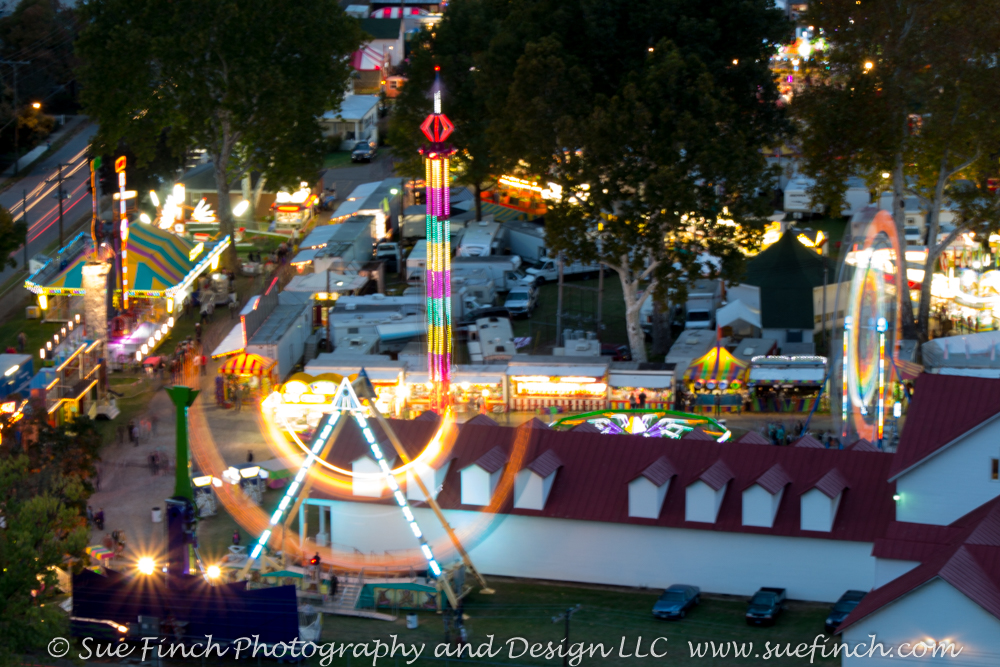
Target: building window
{"x":995,"y":470}
{"x":793,"y":336}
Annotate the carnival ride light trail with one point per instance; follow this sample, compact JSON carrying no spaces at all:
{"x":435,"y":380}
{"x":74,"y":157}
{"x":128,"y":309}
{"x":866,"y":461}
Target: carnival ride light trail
{"x":871,"y":326}
{"x":650,"y":423}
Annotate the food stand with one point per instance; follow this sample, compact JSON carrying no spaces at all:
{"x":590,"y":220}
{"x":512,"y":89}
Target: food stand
{"x":557,"y":383}
{"x":628,"y":379}
{"x":253,"y":374}
{"x":292,"y":210}
{"x":786,"y":383}
{"x":480,"y":382}
{"x":387,"y":376}
{"x":716,"y":380}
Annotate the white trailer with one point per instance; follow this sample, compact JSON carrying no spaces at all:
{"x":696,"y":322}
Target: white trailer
{"x":526,"y":240}
{"x":481,"y":239}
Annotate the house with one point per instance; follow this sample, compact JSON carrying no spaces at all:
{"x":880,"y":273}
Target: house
{"x":787,"y":274}
{"x":727,"y":517}
{"x":356,"y":120}
{"x":387,"y":40}
{"x":938,"y":564}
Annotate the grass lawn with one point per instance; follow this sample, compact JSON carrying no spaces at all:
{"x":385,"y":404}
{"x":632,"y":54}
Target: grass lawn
{"x":37,"y":333}
{"x":579,"y":312}
{"x":526,"y":609}
{"x":337,"y":159}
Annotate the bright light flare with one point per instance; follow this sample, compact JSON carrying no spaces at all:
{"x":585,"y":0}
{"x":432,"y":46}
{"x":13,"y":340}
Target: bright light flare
{"x":214,"y":572}
{"x":146,"y":565}
{"x":241,"y":208}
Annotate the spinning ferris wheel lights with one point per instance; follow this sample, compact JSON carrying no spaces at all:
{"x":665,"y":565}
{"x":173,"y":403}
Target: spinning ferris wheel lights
{"x":881,"y":327}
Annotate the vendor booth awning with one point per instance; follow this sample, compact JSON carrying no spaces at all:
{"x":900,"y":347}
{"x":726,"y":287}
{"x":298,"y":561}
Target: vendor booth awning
{"x":658,"y":381}
{"x":247,"y":364}
{"x":231,"y":344}
{"x":718,"y":365}
{"x":525,"y":370}
{"x":502,"y":213}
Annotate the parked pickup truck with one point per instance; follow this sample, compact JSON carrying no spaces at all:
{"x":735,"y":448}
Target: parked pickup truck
{"x":765,"y":605}
{"x":521,"y":300}
{"x":548,"y":271}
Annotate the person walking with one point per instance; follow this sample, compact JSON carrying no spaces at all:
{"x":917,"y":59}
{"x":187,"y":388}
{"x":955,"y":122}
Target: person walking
{"x":90,"y":515}
{"x":204,"y":365}
{"x":238,"y":398}
{"x":236,"y":537}
{"x":22,"y":342}
{"x":249,"y":456}
{"x":99,"y":518}
{"x":642,"y":400}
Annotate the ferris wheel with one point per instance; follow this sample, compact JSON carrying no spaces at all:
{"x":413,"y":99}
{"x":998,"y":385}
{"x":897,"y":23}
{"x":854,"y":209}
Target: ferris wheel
{"x":864,"y":351}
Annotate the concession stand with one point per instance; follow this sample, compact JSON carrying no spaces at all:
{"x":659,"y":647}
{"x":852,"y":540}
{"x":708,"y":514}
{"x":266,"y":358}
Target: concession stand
{"x":557,"y":383}
{"x":786,"y":383}
{"x":483,"y":382}
{"x":254,"y":375}
{"x":628,"y":379}
{"x":387,"y":376}
{"x":716,"y":379}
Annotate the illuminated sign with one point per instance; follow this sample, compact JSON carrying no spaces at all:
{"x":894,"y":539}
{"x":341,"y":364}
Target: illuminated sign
{"x":195,"y":251}
{"x":120,"y":165}
{"x":8,"y":408}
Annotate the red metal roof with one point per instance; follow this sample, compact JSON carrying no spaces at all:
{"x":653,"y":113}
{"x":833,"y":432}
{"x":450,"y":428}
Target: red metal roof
{"x":717,"y":475}
{"x":593,"y":482}
{"x":546,"y":464}
{"x":773,"y":480}
{"x":492,"y":460}
{"x":698,"y":434}
{"x":862,"y":445}
{"x":585,"y":427}
{"x":831,"y":484}
{"x":966,"y":554}
{"x":809,"y":441}
{"x":752,"y":438}
{"x":944,"y":407}
{"x":482,"y":420}
{"x":659,"y":471}
{"x":535,"y":422}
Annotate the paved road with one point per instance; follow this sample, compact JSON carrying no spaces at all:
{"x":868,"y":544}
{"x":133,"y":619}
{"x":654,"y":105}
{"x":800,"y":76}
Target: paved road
{"x":41,"y":188}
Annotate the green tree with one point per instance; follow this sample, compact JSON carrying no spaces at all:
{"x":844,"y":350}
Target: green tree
{"x":12,"y":236}
{"x":651,"y":118}
{"x":247,"y":81}
{"x":40,"y":32}
{"x":456,"y":46}
{"x":910,"y":93}
{"x":43,"y":496}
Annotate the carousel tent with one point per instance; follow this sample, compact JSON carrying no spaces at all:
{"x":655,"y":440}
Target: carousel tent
{"x":157,"y":259}
{"x":737,"y":313}
{"x":717,"y":365}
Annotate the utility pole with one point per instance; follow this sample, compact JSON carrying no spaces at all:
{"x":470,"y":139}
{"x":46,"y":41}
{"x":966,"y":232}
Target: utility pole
{"x":565,"y":616}
{"x":826,"y":340}
{"x":24,"y":219}
{"x":14,"y":64}
{"x":559,"y":303}
{"x":59,"y":179}
{"x":600,"y":297}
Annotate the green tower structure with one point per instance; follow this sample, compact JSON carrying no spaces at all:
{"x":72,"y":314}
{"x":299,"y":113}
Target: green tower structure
{"x":183,"y":397}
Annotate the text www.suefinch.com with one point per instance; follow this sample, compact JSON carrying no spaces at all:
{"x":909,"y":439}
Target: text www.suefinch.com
{"x":515,"y":648}
{"x":821,"y":648}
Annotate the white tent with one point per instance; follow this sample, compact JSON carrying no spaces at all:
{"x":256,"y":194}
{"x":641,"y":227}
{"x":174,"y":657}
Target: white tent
{"x":736,"y":312}
{"x":981,"y":350}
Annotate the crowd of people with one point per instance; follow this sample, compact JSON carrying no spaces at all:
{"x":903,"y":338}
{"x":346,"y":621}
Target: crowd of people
{"x":779,"y":435}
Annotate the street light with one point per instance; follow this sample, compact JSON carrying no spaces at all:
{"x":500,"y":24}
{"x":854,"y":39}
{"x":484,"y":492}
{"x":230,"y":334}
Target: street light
{"x":146,"y":565}
{"x":36,"y":105}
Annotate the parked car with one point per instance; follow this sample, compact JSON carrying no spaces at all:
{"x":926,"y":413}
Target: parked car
{"x":363,"y":151}
{"x":845,"y":605}
{"x":765,"y":606}
{"x":616,"y":351}
{"x":676,"y":601}
{"x":489,"y":311}
{"x":521,"y":300}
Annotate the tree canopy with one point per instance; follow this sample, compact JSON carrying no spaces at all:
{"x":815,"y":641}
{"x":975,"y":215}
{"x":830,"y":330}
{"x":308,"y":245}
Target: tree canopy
{"x":908,"y":105}
{"x":247,"y":81}
{"x":649,"y":116}
{"x":12,"y":236}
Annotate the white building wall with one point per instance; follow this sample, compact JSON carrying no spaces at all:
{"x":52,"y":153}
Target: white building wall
{"x":887,"y":569}
{"x":619,"y":554}
{"x":935,"y":611}
{"x":645,"y":499}
{"x":818,"y":510}
{"x":702,"y":502}
{"x":760,"y":506}
{"x":367,"y":487}
{"x":952,"y":483}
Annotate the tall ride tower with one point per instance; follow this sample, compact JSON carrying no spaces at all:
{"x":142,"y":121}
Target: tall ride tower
{"x":436,"y":155}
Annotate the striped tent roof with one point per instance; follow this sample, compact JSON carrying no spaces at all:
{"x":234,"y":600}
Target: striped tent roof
{"x":247,"y":364}
{"x":502,"y":213}
{"x":717,"y":365}
{"x":70,"y":278}
{"x":157,"y":259}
